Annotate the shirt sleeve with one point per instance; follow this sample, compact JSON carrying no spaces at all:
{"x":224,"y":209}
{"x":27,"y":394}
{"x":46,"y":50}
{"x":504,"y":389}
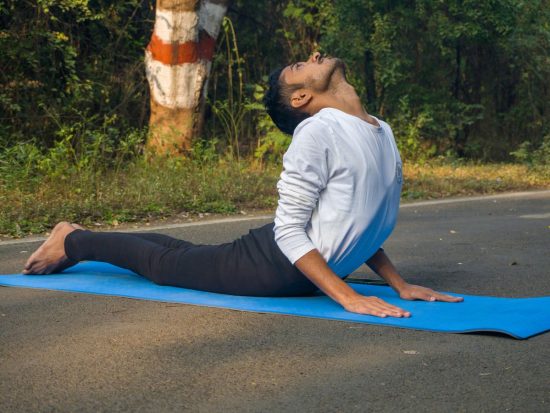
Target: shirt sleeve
{"x":304,"y":176}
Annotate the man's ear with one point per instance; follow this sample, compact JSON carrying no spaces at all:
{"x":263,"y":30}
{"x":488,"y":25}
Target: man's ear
{"x":299,"y":98}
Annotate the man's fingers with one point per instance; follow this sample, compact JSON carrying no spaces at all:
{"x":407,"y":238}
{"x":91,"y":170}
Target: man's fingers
{"x":435,"y":296}
{"x":415,"y":292}
{"x":376,"y":307}
{"x":392,"y":310}
{"x":379,"y":311}
{"x":448,"y":298}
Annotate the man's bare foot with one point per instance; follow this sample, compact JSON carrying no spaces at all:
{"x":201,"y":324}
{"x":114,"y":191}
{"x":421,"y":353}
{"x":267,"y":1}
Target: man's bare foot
{"x":67,"y":263}
{"x":76,"y":226}
{"x":50,"y":257}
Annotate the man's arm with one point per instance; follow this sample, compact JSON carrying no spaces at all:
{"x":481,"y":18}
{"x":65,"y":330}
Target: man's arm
{"x":314,"y":267}
{"x":381,"y":265}
{"x":305,"y":174}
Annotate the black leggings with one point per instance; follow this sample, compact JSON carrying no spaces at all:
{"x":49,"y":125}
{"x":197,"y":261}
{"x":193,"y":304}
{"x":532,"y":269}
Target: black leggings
{"x":252,"y":265}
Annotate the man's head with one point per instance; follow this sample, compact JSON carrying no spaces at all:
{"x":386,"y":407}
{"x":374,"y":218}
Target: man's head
{"x":299,"y":90}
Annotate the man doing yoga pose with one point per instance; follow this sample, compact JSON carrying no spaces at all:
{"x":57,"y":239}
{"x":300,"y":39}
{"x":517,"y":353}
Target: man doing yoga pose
{"x":338,"y":202}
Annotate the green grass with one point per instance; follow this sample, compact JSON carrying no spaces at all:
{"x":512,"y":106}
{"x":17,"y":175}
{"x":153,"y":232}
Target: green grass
{"x":141,"y":191}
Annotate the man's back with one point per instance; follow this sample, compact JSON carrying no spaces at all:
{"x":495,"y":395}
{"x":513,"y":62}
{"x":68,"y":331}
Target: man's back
{"x":340,"y":188}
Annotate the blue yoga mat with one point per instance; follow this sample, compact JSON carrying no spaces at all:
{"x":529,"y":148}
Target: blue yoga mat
{"x":518,"y":317}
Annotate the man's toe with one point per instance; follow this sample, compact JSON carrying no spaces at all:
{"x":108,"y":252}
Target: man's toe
{"x":30,"y":270}
{"x":28,"y":265}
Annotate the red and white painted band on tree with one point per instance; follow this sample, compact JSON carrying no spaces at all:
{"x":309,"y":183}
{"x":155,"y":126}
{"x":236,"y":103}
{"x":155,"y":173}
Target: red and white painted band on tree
{"x":178,"y":61}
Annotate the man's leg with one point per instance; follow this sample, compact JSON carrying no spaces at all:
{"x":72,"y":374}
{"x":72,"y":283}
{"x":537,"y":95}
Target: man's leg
{"x":237,"y":268}
{"x":243,"y":267}
{"x":201,"y":267}
{"x":161,"y":239}
{"x":150,"y":255}
{"x":141,"y":253}
{"x":214,"y":268}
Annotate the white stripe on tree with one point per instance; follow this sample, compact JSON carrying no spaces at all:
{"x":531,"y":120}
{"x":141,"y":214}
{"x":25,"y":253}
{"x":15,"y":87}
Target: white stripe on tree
{"x":176,"y":86}
{"x":176,"y":26}
{"x":183,"y":26}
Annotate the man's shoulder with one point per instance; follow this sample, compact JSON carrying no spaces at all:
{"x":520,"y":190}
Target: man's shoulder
{"x":314,"y":126}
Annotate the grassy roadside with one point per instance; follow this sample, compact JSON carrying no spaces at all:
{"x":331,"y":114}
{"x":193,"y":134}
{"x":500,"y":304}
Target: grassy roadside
{"x":440,"y":179}
{"x":142,"y":192}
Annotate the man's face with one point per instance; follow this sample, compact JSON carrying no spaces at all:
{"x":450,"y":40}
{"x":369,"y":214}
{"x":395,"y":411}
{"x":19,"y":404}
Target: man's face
{"x":316,"y":74}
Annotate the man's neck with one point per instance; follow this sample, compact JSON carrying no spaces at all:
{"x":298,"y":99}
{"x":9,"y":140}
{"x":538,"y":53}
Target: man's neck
{"x":342,"y":96}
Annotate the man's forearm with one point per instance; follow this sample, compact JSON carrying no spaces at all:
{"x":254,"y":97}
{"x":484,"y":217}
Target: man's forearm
{"x":316,"y":269}
{"x":381,"y":265}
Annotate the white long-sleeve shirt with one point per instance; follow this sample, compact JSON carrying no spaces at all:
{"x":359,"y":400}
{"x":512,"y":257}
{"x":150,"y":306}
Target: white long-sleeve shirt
{"x":339,"y":190}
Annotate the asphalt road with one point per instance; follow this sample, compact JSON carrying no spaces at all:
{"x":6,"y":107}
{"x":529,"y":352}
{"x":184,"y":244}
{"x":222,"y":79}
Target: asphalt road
{"x":73,"y":352}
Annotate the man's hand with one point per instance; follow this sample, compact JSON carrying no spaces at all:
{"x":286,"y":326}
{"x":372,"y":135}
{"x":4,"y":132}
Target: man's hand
{"x":373,"y":306}
{"x":314,"y":267}
{"x":381,"y":265}
{"x":416,"y":292}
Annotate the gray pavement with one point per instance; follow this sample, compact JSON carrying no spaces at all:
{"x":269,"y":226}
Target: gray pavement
{"x":73,"y":352}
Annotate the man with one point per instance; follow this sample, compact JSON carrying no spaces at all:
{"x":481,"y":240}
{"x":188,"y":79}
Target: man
{"x":338,"y":202}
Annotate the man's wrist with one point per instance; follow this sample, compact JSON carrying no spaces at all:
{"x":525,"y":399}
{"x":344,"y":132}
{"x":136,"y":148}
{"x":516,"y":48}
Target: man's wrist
{"x":347,"y":298}
{"x":381,"y":265}
{"x":398,"y":284}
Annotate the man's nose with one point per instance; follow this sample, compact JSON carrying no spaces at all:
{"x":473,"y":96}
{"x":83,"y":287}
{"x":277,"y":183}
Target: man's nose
{"x":314,"y":57}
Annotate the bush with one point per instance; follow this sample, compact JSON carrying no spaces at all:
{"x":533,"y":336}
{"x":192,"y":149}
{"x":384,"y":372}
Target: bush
{"x":533,"y":155}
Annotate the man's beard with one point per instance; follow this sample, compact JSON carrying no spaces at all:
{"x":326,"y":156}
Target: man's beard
{"x":335,"y":75}
{"x":341,"y":66}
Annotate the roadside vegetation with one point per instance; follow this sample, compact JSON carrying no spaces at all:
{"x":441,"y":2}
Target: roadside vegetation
{"x":463,"y":84}
{"x":38,"y":190}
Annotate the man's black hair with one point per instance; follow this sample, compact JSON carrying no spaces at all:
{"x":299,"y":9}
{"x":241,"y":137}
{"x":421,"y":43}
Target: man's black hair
{"x":277,"y":103}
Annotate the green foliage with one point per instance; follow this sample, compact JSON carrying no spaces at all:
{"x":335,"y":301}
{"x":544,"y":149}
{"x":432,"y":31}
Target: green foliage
{"x":532,"y":155}
{"x":204,"y":151}
{"x":301,"y":24}
{"x":237,"y":110}
{"x":138,"y":191}
{"x":467,"y":69}
{"x":78,"y":151}
{"x":272,"y":143}
{"x":459,"y":78}
{"x":62,"y":61}
{"x":456,"y":79}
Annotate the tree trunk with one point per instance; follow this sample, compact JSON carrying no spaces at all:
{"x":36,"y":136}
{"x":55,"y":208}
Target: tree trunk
{"x":178,"y":61}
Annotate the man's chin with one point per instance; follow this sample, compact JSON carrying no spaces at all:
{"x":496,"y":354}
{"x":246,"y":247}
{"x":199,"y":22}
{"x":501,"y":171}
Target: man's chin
{"x":339,"y":69}
{"x":336,"y":63}
{"x":333,"y":73}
